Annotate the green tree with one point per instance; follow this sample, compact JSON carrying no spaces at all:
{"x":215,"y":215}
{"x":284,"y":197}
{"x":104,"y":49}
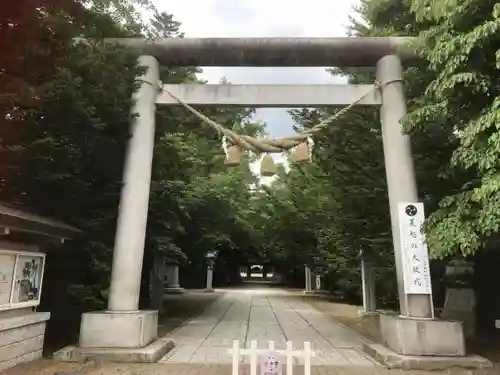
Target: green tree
{"x":461,"y":50}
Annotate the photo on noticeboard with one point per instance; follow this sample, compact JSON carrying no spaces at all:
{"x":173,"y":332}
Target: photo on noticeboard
{"x":28,"y":279}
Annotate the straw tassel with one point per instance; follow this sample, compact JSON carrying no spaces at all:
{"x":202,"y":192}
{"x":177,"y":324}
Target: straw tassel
{"x":267,"y":166}
{"x":233,"y":153}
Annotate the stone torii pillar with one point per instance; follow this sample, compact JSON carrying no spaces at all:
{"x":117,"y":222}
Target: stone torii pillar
{"x":128,"y":252}
{"x":123,"y":325}
{"x":400,"y":171}
{"x":415,"y":331}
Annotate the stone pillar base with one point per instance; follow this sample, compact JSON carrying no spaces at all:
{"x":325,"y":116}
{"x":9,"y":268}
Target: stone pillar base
{"x":394,"y":360}
{"x":208,"y":290}
{"x":422,"y":337}
{"x":103,"y":329}
{"x":174,"y":290}
{"x":118,"y":336}
{"x":422,"y":344}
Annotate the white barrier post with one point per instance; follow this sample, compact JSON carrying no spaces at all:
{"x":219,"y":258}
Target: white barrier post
{"x":253,"y":357}
{"x":289,"y":355}
{"x":236,"y":357}
{"x":307,"y":358}
{"x":289,"y":358}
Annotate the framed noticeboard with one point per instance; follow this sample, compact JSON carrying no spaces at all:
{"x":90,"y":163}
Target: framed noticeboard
{"x":21,"y":277}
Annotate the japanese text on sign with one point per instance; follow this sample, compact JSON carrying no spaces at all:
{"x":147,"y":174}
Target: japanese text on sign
{"x":414,"y":254}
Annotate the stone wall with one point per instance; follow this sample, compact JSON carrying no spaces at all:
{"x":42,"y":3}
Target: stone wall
{"x":21,"y":336}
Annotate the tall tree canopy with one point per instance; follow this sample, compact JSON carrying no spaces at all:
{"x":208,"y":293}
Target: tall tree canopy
{"x":461,"y":47}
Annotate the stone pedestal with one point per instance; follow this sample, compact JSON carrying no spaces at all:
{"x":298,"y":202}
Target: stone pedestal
{"x":422,"y":344}
{"x":422,"y":336}
{"x":118,"y":330}
{"x":118,"y":336}
{"x":173,"y":286}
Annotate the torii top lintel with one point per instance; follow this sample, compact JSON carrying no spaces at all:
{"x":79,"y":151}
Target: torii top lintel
{"x":322,"y":52}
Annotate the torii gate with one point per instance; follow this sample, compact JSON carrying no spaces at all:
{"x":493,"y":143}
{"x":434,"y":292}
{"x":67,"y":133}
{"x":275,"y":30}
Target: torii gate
{"x":414,"y":331}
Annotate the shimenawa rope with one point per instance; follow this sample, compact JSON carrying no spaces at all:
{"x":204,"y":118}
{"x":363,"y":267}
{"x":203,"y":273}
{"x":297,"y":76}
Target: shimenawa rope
{"x":272,"y":145}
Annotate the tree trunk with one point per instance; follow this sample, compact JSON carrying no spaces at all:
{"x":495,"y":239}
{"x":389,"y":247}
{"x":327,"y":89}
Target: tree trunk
{"x":157,"y":275}
{"x":145,"y":295}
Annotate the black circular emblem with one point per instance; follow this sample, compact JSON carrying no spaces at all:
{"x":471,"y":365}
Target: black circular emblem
{"x":411,"y":210}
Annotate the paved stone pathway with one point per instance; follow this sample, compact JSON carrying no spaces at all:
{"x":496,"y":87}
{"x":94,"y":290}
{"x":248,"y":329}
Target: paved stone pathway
{"x":263,"y":315}
{"x":47,"y":367}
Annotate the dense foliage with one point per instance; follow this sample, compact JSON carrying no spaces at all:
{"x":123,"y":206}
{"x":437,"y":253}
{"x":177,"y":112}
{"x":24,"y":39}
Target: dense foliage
{"x":461,"y":47}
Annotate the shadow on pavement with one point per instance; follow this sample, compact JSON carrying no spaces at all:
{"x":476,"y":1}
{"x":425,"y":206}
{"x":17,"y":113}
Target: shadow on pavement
{"x":179,"y":308}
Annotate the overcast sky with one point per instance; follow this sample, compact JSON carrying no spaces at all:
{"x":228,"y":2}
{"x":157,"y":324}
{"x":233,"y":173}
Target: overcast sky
{"x":263,"y":18}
